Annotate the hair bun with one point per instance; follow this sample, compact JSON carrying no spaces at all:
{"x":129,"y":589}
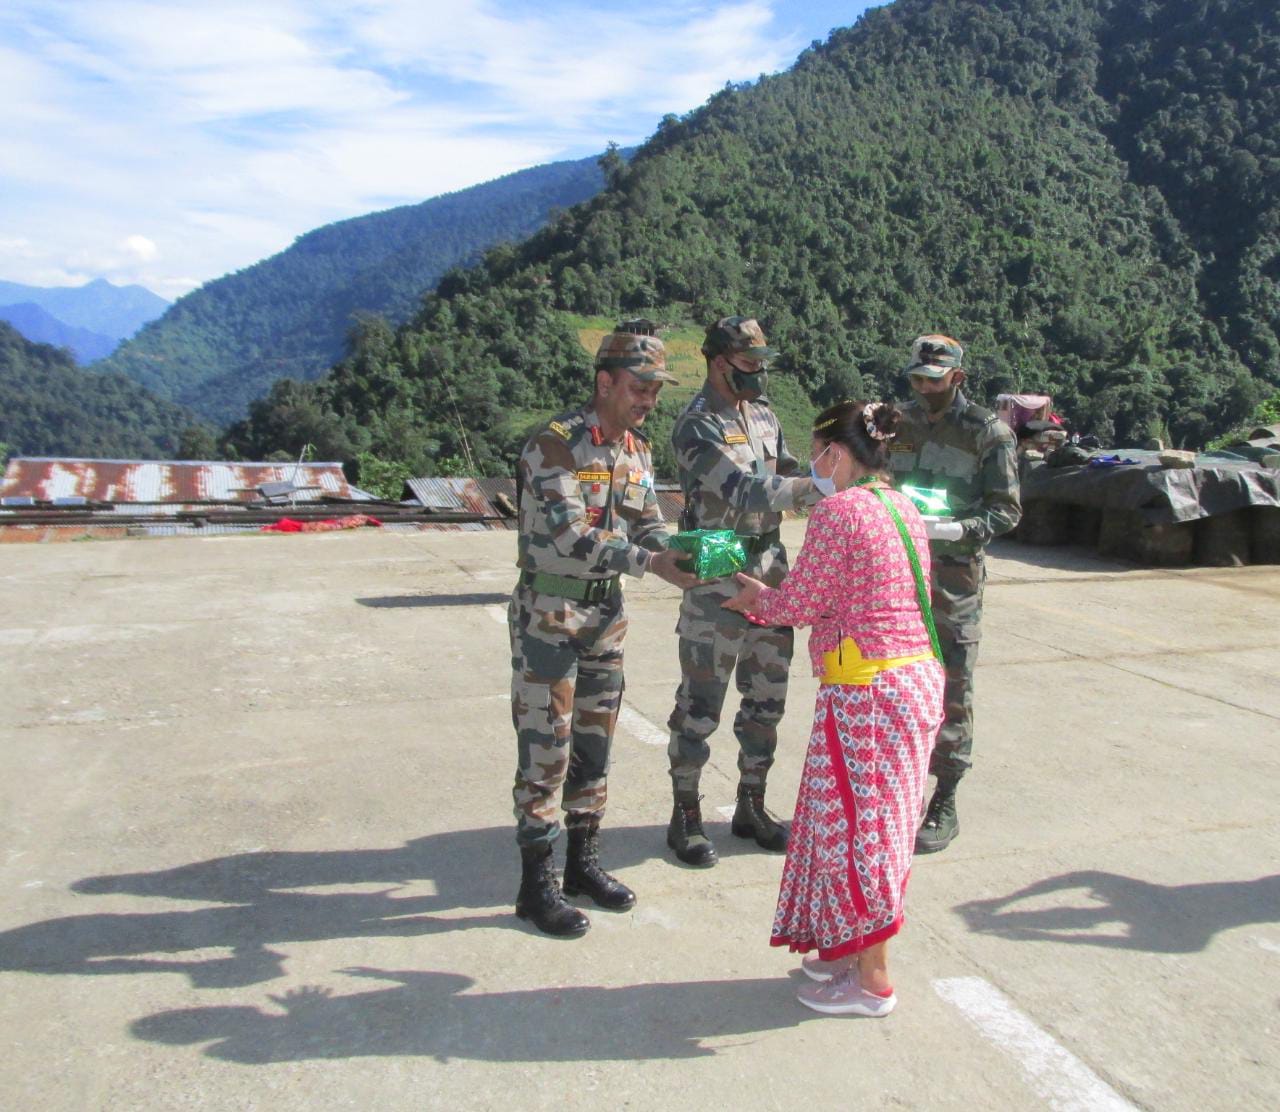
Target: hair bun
{"x":880,"y":419}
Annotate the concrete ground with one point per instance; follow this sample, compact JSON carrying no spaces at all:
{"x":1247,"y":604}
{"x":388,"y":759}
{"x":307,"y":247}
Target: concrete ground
{"x":258,"y":852}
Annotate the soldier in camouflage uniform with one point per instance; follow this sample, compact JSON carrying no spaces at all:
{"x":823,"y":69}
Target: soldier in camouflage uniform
{"x":946,"y":442}
{"x":588,"y":515}
{"x":733,"y":462}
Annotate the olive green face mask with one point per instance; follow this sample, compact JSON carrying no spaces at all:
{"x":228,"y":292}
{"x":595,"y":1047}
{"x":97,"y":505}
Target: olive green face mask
{"x":936,"y":403}
{"x":749,"y":386}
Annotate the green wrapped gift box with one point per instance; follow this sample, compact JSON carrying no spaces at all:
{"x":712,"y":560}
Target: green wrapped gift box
{"x":715,"y":552}
{"x":928,"y":500}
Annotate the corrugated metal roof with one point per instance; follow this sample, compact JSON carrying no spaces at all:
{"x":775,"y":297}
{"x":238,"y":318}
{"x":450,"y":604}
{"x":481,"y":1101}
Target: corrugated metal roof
{"x":454,"y":495}
{"x":168,"y":481}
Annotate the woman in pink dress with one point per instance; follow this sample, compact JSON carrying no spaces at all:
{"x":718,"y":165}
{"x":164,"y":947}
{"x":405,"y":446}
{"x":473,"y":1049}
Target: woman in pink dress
{"x":861,"y":581}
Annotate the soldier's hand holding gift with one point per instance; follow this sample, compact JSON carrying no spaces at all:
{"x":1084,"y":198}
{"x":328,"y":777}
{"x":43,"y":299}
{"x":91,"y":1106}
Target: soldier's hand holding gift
{"x":666,"y":565}
{"x":943,"y":530}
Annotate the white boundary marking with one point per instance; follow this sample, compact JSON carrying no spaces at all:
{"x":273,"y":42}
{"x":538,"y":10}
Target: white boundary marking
{"x":497,"y":614}
{"x":639,"y":727}
{"x":1057,"y":1075}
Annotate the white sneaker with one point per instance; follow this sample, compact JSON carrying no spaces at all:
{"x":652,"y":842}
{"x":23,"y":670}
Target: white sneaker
{"x":817,"y":969}
{"x":844,"y":995}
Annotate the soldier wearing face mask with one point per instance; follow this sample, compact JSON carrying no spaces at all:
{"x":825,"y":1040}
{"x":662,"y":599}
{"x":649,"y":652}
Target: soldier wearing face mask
{"x":946,"y":442}
{"x":736,"y":473}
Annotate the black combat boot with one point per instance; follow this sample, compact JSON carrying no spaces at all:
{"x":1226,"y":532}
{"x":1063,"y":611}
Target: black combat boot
{"x":583,"y":875}
{"x":685,"y":834}
{"x":540,"y":900}
{"x":940,"y":824}
{"x":751,"y":820}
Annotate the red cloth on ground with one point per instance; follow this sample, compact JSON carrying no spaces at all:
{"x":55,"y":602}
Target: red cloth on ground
{"x":328,"y":525}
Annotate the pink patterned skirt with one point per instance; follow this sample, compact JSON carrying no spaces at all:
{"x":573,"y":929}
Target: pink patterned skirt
{"x":851,"y":841}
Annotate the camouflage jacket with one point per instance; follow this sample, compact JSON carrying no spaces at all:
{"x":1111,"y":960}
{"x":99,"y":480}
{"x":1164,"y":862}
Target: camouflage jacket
{"x":587,"y":507}
{"x":726,"y":484}
{"x":970,"y":453}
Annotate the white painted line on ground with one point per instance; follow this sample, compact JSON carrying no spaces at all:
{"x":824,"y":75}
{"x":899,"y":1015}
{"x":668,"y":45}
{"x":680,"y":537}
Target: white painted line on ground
{"x":497,"y":614}
{"x":639,"y":727}
{"x":727,"y":812}
{"x":1267,"y":944}
{"x":1057,"y":1075}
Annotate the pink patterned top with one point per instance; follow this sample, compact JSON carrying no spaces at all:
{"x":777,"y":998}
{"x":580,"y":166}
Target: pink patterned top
{"x":852,"y":578}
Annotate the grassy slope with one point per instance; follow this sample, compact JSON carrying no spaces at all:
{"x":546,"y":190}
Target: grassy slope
{"x":685,"y":361}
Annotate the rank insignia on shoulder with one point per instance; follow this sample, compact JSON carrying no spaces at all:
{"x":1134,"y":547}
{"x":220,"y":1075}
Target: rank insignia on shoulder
{"x":594,"y":476}
{"x":735,"y":438}
{"x":560,"y":429}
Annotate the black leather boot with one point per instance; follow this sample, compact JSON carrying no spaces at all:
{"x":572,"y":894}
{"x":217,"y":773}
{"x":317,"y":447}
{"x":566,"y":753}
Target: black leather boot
{"x":751,"y":820}
{"x":540,"y":900}
{"x":941,"y":824}
{"x":583,"y":875}
{"x":686,"y":836}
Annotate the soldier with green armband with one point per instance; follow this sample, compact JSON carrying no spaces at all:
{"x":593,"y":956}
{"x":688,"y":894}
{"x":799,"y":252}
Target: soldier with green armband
{"x":946,"y":443}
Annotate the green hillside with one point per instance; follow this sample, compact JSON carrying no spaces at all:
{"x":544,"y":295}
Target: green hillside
{"x":1083,"y":191}
{"x":49,"y":406}
{"x":223,"y":345}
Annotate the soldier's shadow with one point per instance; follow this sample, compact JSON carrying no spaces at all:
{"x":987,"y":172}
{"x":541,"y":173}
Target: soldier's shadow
{"x":433,"y":1014}
{"x":250,"y":904}
{"x":1104,"y":909}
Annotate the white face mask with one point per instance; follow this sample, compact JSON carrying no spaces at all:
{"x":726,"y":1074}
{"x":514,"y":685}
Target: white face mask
{"x":824,"y":484}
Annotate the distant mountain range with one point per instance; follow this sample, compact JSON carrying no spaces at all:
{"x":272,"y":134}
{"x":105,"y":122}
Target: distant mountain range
{"x":90,"y":319}
{"x":49,"y":406}
{"x":224,"y":344}
{"x":42,"y":327}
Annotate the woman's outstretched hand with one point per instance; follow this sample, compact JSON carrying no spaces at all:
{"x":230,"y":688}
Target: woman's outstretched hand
{"x":748,"y":591}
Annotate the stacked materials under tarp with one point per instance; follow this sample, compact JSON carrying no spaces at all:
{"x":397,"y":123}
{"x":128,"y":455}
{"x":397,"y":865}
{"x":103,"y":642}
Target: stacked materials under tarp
{"x":1158,"y":508}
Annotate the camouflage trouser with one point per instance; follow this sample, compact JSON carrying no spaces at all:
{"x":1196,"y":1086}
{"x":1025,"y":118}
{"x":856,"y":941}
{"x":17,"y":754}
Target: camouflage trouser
{"x":716,"y":644}
{"x":957,"y":612}
{"x":566,"y":690}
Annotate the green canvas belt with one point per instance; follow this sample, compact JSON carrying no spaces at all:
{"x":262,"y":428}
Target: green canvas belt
{"x":565,"y":586}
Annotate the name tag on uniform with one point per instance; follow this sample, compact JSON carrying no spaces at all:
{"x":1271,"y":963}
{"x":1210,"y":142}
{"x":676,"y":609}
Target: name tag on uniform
{"x":897,"y":446}
{"x":594,"y":476}
{"x":633,"y":499}
{"x":735,"y":438}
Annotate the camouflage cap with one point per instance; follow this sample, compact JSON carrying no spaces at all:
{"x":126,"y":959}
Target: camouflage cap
{"x":634,"y":346}
{"x":934,"y":355}
{"x":737,"y":336}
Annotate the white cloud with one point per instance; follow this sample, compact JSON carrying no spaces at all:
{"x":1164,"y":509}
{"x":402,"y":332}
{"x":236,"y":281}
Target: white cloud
{"x":149,"y":142}
{"x":140,"y":248}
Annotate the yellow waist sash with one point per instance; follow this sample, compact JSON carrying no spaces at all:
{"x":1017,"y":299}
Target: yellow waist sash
{"x":846,"y":664}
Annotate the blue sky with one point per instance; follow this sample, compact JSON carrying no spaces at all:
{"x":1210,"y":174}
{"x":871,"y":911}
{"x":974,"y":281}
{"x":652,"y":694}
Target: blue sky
{"x":167,"y":143}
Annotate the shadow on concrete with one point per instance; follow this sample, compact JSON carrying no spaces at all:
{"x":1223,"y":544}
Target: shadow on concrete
{"x":1128,"y":914}
{"x":258,"y":901}
{"x":432,"y":1014}
{"x":465,"y":599}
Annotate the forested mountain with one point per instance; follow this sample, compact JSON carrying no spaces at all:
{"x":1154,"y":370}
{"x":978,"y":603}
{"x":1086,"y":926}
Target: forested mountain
{"x":49,"y":406}
{"x":98,"y":306}
{"x":1083,"y":191}
{"x":224,"y":344}
{"x":39,"y":326}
